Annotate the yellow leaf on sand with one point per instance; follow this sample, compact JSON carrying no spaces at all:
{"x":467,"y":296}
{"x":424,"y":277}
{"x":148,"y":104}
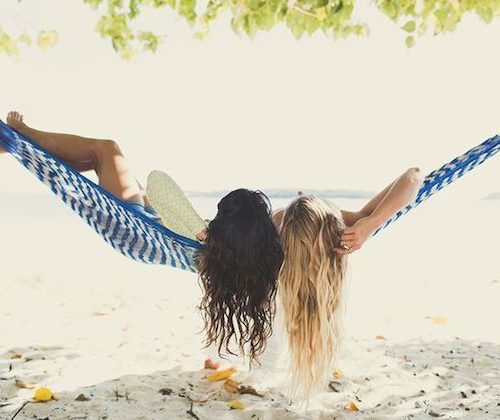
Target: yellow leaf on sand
{"x":338,"y":374}
{"x":352,"y":407}
{"x":44,"y":394}
{"x":221,"y":375}
{"x":232,"y":386}
{"x":380,"y":337}
{"x":439,"y":320}
{"x":236,"y":405}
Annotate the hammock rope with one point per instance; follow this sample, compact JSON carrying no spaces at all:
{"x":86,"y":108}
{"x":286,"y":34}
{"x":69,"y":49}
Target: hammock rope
{"x":449,"y":172}
{"x":140,"y":238}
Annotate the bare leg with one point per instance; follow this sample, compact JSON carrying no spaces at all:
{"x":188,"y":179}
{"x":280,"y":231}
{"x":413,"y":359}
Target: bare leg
{"x":103,"y":156}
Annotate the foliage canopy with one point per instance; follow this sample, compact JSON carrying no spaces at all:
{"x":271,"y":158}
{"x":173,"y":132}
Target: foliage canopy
{"x":117,"y":19}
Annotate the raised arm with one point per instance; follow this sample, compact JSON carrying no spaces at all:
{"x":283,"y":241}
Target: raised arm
{"x":351,"y":217}
{"x":379,"y":209}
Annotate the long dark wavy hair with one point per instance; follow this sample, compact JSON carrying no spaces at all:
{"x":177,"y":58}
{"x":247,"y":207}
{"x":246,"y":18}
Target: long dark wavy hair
{"x":238,"y":273}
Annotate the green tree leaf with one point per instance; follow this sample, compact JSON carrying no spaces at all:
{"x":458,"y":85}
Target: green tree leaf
{"x":117,"y":19}
{"x":410,"y":41}
{"x":410,"y":26}
{"x":93,"y":3}
{"x":24,"y":39}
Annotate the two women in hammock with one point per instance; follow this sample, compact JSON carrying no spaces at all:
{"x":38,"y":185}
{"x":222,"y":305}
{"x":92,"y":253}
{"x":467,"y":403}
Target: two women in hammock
{"x":252,"y":256}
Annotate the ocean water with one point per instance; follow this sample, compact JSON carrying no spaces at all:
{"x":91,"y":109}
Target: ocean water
{"x":440,"y":260}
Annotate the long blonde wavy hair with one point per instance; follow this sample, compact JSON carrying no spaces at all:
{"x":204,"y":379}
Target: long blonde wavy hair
{"x":310,"y":285}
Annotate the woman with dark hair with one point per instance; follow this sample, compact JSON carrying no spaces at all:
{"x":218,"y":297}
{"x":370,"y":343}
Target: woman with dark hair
{"x":238,"y":272}
{"x":242,"y":255}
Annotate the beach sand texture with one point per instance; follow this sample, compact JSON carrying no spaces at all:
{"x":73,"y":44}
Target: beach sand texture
{"x":119,"y":340}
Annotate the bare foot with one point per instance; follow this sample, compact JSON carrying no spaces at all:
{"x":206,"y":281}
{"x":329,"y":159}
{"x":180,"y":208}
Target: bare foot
{"x":210,"y":364}
{"x":15,"y":120}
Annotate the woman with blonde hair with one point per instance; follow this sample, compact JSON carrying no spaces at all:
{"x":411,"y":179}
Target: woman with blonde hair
{"x":317,"y":238}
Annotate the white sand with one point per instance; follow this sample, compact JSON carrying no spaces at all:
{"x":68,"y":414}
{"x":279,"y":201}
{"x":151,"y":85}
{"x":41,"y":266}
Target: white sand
{"x":80,"y":319}
{"x":440,"y":379}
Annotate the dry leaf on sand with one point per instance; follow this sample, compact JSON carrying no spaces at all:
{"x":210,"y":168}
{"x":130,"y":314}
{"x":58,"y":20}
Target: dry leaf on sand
{"x":44,"y":394}
{"x":236,"y":405}
{"x":82,"y":397}
{"x":249,"y":390}
{"x":352,"y":407}
{"x":221,"y":375}
{"x":439,"y":320}
{"x":231,"y":386}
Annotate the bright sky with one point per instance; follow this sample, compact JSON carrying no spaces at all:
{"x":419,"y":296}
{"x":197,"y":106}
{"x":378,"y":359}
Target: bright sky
{"x":273,"y":112}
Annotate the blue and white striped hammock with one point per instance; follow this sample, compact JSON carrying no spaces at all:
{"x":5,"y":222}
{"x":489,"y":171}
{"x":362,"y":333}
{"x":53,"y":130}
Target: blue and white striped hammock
{"x":138,"y":237}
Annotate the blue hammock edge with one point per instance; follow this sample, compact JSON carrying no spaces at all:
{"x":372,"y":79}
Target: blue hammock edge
{"x":181,"y":239}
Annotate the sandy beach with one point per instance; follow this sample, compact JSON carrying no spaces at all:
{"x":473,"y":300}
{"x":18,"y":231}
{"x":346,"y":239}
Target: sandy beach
{"x":114,"y":339}
{"x":450,"y":379}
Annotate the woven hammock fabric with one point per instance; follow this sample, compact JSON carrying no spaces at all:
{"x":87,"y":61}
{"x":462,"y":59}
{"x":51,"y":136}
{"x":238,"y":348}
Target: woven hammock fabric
{"x":448,"y":173}
{"x":140,"y":238}
{"x":121,"y":226}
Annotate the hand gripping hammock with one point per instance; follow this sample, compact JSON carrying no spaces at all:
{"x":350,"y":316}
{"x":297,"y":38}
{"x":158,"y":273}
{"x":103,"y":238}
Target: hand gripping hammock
{"x":138,"y":237}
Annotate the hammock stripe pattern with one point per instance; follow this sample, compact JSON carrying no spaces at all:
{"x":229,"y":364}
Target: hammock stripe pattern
{"x":121,"y":226}
{"x":140,"y":238}
{"x":448,"y":173}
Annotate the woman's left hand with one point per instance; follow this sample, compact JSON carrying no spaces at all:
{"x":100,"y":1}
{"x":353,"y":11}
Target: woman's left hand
{"x":355,"y":236}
